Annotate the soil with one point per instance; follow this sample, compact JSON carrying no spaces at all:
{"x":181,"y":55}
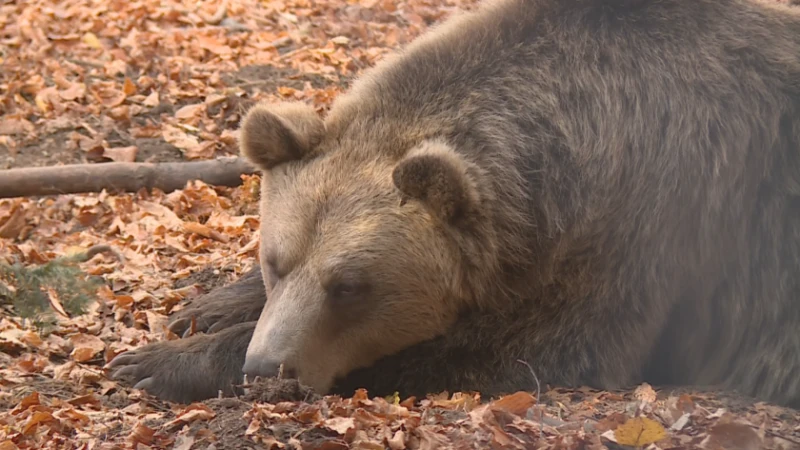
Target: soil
{"x":54,"y":146}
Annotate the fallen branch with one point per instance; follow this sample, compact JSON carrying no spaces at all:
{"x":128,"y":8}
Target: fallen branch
{"x":120,"y":177}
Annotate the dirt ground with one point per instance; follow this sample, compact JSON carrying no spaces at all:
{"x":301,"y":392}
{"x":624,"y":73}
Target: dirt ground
{"x":161,"y":81}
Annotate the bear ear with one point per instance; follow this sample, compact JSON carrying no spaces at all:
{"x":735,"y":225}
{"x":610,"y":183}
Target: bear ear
{"x":272,"y":134}
{"x":434,"y":174}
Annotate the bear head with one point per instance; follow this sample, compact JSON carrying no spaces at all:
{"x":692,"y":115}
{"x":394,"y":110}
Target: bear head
{"x":363,"y":252}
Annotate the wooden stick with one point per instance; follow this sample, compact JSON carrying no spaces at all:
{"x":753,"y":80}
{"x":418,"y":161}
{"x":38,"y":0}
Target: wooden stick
{"x":120,"y":177}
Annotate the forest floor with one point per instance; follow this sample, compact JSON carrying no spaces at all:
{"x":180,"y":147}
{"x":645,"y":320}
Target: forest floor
{"x":168,"y":80}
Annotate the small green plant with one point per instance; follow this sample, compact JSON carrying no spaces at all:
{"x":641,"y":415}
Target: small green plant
{"x":37,"y":292}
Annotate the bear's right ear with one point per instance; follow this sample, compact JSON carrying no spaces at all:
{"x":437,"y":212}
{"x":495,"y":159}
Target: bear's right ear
{"x":272,"y":134}
{"x":442,"y":180}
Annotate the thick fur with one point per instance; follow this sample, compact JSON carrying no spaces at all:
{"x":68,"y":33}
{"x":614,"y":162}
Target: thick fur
{"x":629,"y":176}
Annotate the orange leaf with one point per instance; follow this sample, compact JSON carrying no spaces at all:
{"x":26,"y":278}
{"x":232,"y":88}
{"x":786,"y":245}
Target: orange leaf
{"x":37,"y":418}
{"x":517,"y":403}
{"x":128,"y":87}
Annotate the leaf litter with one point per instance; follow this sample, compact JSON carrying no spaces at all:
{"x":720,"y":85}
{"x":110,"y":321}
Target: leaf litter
{"x":87,"y":81}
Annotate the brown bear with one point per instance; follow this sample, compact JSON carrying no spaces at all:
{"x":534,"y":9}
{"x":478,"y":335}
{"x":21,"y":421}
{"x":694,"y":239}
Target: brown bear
{"x":607,"y":190}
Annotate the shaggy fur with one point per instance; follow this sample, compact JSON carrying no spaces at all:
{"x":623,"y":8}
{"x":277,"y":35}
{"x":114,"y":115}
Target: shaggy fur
{"x":607,"y":190}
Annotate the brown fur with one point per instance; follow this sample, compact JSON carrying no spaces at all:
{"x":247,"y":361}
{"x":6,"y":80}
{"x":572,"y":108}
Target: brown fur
{"x":608,"y":190}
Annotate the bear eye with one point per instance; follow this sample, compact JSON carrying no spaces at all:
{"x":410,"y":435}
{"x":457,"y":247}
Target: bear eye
{"x":274,"y":275}
{"x":346,"y":291}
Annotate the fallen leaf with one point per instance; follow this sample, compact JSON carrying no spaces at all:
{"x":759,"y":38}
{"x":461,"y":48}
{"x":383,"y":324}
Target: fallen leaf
{"x":121,"y":154}
{"x":517,"y":403}
{"x":639,"y":431}
{"x":179,"y":138}
{"x":55,"y":302}
{"x":189,"y":111}
{"x":202,"y":230}
{"x":340,"y":424}
{"x":141,"y":434}
{"x":38,"y":418}
{"x":91,"y":40}
{"x":645,"y":393}
{"x":86,"y":346}
{"x":128,"y":87}
{"x":73,"y":92}
{"x":152,"y":100}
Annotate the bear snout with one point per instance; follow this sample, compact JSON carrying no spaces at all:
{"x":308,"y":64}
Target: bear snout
{"x":266,"y":368}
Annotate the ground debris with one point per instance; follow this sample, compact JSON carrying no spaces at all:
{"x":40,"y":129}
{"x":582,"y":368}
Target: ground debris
{"x":168,"y":80}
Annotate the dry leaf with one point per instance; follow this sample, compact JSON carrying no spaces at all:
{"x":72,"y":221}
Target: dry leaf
{"x":8,"y":445}
{"x":128,"y":87}
{"x":141,"y":434}
{"x":179,"y":138}
{"x":639,"y":431}
{"x":86,"y":347}
{"x":121,"y":154}
{"x":202,"y":230}
{"x":152,"y":100}
{"x":645,"y":393}
{"x":55,"y":302}
{"x":91,"y":40}
{"x":340,"y":424}
{"x":517,"y":403}
{"x":189,"y":111}
{"x":37,"y":419}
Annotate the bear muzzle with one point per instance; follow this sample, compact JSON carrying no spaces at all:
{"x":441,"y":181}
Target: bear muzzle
{"x":266,"y":368}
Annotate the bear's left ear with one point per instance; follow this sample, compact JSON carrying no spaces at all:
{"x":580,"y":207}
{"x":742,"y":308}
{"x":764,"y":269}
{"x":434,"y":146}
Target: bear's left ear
{"x":273,"y":134}
{"x":434,"y":174}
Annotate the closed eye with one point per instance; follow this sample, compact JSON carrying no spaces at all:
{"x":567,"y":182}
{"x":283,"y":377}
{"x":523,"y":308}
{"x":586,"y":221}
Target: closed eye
{"x":347,"y":291}
{"x":273,"y":273}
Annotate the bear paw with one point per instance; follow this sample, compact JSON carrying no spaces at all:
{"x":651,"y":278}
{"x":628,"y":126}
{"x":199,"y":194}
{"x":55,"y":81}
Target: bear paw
{"x":186,"y":370}
{"x":224,"y":307}
{"x":212,"y":314}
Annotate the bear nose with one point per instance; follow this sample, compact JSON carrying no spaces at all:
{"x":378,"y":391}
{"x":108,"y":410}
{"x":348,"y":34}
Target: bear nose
{"x":266,"y":368}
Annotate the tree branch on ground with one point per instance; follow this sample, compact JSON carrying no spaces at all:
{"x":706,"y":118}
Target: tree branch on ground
{"x":120,"y":177}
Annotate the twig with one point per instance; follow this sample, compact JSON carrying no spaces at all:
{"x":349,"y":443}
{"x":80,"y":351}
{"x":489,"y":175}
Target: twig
{"x":120,"y":177}
{"x":538,"y":394}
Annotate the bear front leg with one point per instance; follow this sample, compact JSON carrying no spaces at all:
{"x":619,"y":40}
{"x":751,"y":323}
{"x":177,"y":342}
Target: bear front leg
{"x":187,"y":370}
{"x":490,"y":352}
{"x":223,"y":307}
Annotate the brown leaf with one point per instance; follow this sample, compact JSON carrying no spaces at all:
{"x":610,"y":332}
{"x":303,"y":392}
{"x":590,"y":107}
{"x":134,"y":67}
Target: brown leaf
{"x":204,"y":150}
{"x":645,"y":393}
{"x":128,"y":87}
{"x":30,"y":400}
{"x":87,"y":347}
{"x":517,"y":403}
{"x":398,"y":441}
{"x":8,"y":445}
{"x":340,"y":424}
{"x":192,"y":413}
{"x":141,"y":434}
{"x":152,"y":100}
{"x":121,"y":154}
{"x":13,"y":225}
{"x":38,"y":418}
{"x":179,"y":138}
{"x":88,"y":399}
{"x":189,"y":111}
{"x":202,"y":230}
{"x":73,"y":92}
{"x":55,"y":302}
